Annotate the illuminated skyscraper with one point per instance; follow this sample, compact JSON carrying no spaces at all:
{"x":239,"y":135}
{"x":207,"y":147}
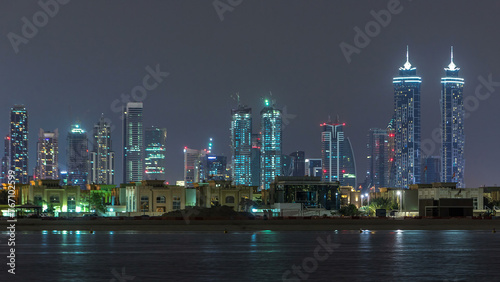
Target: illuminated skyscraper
{"x":407,"y":125}
{"x":78,"y":156}
{"x":270,"y":153}
{"x":102,"y":158}
{"x":194,"y":166}
{"x":241,"y":145}
{"x":19,"y":143}
{"x":133,"y":142}
{"x":452,"y":126}
{"x":47,"y":155}
{"x":377,"y":159}
{"x":314,"y":167}
{"x":337,"y":155}
{"x":154,"y":158}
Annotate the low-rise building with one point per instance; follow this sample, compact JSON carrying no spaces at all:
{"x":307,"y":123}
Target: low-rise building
{"x":310,"y":191}
{"x":349,"y":195}
{"x":152,"y":197}
{"x":222,"y":193}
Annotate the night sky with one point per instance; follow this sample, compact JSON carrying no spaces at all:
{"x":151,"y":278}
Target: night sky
{"x":91,"y":52}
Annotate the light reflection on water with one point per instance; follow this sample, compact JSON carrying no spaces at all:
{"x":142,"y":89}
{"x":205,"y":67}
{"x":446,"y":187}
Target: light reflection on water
{"x":257,"y":256}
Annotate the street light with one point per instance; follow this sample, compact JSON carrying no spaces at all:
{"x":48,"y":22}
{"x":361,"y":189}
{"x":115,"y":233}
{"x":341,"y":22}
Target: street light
{"x":400,"y":202}
{"x":367,"y":199}
{"x":362,"y":199}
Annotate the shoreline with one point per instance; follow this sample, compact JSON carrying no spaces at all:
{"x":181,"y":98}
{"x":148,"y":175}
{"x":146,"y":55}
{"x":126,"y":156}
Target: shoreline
{"x":253,"y":225}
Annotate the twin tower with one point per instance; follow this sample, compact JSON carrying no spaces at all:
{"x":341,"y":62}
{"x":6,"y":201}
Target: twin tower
{"x":406,"y":123}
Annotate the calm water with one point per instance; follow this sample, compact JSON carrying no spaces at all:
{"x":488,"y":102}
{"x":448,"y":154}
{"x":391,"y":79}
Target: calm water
{"x":255,"y":256}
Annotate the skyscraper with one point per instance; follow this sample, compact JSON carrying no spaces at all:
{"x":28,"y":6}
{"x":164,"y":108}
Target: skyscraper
{"x":337,"y":155}
{"x":314,"y":167}
{"x":216,"y":167}
{"x":298,"y":163}
{"x":102,"y":158}
{"x":255,"y":160}
{"x":390,"y":173}
{"x":6,"y":160}
{"x":241,"y":145}
{"x":452,"y":126}
{"x":19,"y":143}
{"x":133,"y":142}
{"x":407,"y":125}
{"x":78,"y":156}
{"x":154,"y":157}
{"x":270,"y":153}
{"x":47,"y":155}
{"x":431,"y":167}
{"x":377,"y":159}
{"x":194,"y":166}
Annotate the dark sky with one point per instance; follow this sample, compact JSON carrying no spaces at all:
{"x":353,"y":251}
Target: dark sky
{"x":91,"y":52}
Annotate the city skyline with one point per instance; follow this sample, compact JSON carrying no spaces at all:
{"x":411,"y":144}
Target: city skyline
{"x":312,"y":85}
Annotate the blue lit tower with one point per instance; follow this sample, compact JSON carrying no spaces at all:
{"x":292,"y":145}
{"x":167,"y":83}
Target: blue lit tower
{"x":337,"y":156}
{"x":452,"y":126}
{"x":154,"y":160}
{"x":19,"y":143}
{"x":241,"y":145}
{"x":407,"y":125}
{"x":133,"y":142}
{"x":270,"y":151}
{"x":78,"y":156}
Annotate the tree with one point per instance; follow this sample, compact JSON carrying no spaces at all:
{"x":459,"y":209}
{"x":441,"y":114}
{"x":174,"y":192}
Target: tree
{"x":247,"y":204}
{"x":381,"y":203}
{"x":95,"y":201}
{"x":350,"y":210}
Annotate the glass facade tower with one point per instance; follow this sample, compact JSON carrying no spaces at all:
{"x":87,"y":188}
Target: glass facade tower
{"x":102,"y":158}
{"x":133,"y":142}
{"x":19,"y":143}
{"x":47,"y":155}
{"x":241,"y":145}
{"x":154,"y":155}
{"x":271,"y":138}
{"x":452,"y":126}
{"x":78,"y":156}
{"x":407,"y":125}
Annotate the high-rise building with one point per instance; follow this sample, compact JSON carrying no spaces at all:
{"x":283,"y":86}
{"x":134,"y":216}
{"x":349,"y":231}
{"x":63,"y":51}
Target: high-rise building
{"x":155,"y":162}
{"x":271,"y":138}
{"x":407,"y":125}
{"x":47,"y":155}
{"x":78,"y":156}
{"x":6,"y":160}
{"x":377,"y":159}
{"x":255,"y":159}
{"x":431,"y":167}
{"x":314,"y":167}
{"x":216,"y":167}
{"x":19,"y":143}
{"x":241,"y":145}
{"x":133,"y":142}
{"x":390,"y":173}
{"x":452,"y":126}
{"x":194,"y":166}
{"x":287,"y":165}
{"x":102,"y":158}
{"x":337,"y":155}
{"x":298,"y":163}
